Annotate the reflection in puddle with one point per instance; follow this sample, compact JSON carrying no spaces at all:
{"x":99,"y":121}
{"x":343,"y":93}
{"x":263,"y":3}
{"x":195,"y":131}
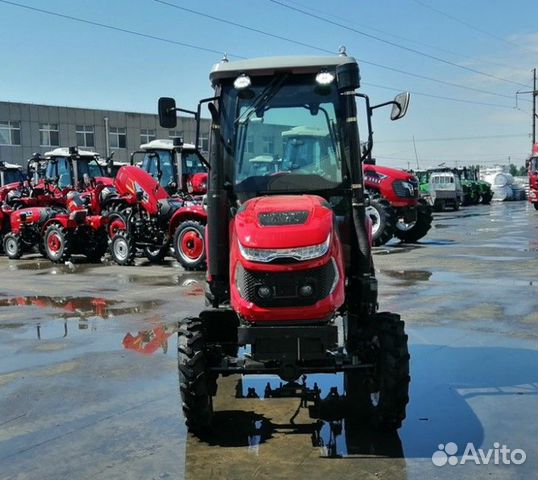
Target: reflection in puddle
{"x":148,"y":342}
{"x":81,"y":307}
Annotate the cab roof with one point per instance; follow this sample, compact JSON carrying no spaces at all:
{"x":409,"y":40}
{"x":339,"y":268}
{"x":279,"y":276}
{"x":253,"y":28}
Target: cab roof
{"x":9,"y":166}
{"x":64,"y":152}
{"x":164,"y":144}
{"x":271,"y":65}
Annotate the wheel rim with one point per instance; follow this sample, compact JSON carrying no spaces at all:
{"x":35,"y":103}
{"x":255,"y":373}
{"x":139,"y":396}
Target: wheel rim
{"x":191,"y":245}
{"x":54,"y":243}
{"x":11,"y":246}
{"x":374,"y":398}
{"x":375,"y":217}
{"x":121,"y":249}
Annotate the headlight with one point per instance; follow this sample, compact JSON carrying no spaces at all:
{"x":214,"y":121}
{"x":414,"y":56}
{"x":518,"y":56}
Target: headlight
{"x":299,"y":253}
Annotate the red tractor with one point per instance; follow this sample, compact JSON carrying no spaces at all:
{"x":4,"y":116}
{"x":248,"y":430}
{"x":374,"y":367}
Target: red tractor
{"x":532,"y":169}
{"x":147,"y":218}
{"x":395,"y":206}
{"x":63,"y":210}
{"x":180,"y":170}
{"x":289,"y":257}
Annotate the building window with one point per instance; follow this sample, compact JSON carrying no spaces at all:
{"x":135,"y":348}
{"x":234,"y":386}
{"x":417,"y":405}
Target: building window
{"x":203,"y":143}
{"x":10,"y":133}
{"x":172,"y":134}
{"x":85,"y":136}
{"x":250,"y":144}
{"x":118,"y":137}
{"x":49,"y":136}
{"x":268,"y":145}
{"x":147,"y":135}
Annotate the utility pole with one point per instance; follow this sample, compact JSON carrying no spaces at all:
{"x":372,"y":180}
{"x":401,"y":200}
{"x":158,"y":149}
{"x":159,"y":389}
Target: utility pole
{"x":534,"y":93}
{"x":416,"y":154}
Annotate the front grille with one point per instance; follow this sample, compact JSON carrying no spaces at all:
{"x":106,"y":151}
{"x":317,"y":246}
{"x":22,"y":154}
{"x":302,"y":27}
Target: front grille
{"x":402,"y":191}
{"x":283,"y":218}
{"x":284,"y":286}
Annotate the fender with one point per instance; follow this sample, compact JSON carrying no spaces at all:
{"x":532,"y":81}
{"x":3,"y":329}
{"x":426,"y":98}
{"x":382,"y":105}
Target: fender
{"x":61,"y":219}
{"x":188,"y":212}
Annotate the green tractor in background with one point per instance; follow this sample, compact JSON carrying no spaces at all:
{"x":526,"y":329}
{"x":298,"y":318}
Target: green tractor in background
{"x":474,"y":190}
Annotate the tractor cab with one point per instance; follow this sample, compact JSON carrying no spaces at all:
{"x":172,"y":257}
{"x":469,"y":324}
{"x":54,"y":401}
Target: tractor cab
{"x":10,"y":173}
{"x":177,"y":166}
{"x":71,"y":168}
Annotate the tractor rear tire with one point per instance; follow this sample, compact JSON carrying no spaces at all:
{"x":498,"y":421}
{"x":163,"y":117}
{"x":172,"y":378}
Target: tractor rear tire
{"x":189,"y":245}
{"x":535,"y":204}
{"x":97,"y":249}
{"x":485,"y":198}
{"x":420,"y":228}
{"x":196,"y":384}
{"x":58,"y":243}
{"x":383,"y":219}
{"x":123,"y":248}
{"x":12,"y":246}
{"x":386,"y":399}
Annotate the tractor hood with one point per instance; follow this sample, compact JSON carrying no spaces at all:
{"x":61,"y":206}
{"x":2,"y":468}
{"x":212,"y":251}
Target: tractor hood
{"x":284,"y":221}
{"x":392,"y":173}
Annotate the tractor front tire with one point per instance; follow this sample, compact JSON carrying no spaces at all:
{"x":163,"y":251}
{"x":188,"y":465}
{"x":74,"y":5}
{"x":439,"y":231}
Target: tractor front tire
{"x":196,"y":384}
{"x":12,"y":246}
{"x":123,"y":248}
{"x":58,"y":243}
{"x":386,"y":397}
{"x":383,"y":220}
{"x":189,"y":245}
{"x":420,"y":228}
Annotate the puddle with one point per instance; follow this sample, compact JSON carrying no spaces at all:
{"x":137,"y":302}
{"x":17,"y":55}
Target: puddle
{"x":409,"y":275}
{"x":491,"y":258}
{"x":46,"y":267}
{"x":81,"y":307}
{"x":185,"y":280}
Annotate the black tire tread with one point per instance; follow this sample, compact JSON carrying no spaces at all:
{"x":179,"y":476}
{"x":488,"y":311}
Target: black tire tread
{"x":194,"y":380}
{"x":68,"y":243}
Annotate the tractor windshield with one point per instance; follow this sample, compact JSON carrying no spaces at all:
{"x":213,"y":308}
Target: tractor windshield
{"x":59,"y":170}
{"x":13,"y":175}
{"x":534,"y":164}
{"x":284,"y":137}
{"x":160,"y":165}
{"x":90,"y":167}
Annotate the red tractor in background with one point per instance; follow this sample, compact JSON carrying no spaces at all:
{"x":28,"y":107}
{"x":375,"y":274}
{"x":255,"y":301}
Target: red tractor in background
{"x":147,"y":218}
{"x":180,"y":170}
{"x":532,"y":171}
{"x":66,"y":187}
{"x":395,"y":206}
{"x":289,"y":257}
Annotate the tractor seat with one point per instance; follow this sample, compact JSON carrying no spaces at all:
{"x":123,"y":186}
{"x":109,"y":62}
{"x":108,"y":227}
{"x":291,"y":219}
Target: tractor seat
{"x":167,"y":208}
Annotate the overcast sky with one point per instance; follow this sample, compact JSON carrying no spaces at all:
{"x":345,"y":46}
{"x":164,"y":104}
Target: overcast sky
{"x":485,"y":51}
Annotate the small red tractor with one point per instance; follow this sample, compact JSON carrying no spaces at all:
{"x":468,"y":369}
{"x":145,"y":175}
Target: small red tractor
{"x":180,"y":170}
{"x":147,"y":218}
{"x":395,"y":207}
{"x":532,"y":171}
{"x":82,"y":228}
{"x":289,"y":257}
{"x":61,"y":212}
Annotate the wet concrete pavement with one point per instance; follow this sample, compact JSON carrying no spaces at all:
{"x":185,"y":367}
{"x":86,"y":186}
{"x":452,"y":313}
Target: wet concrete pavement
{"x":88,"y":378}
